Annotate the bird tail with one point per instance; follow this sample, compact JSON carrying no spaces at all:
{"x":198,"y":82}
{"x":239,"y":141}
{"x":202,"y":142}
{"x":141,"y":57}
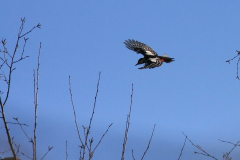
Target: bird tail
{"x":166,"y":58}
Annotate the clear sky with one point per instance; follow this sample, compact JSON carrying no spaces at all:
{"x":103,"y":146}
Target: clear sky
{"x":197,"y":94}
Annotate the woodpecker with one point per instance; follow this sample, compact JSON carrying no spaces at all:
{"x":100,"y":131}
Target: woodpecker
{"x":151,"y":58}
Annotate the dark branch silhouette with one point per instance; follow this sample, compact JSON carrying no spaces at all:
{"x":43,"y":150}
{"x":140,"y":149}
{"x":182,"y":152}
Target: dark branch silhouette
{"x":127,"y":128}
{"x":8,"y":60}
{"x":227,"y":154}
{"x":149,"y":142}
{"x":203,"y":152}
{"x":238,"y":53}
{"x":182,"y":148}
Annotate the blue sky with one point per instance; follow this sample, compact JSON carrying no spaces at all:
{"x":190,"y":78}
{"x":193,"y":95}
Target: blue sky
{"x":196,"y":94}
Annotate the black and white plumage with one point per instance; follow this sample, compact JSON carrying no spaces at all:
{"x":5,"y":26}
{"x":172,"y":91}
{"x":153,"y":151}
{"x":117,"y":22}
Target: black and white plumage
{"x":151,"y":58}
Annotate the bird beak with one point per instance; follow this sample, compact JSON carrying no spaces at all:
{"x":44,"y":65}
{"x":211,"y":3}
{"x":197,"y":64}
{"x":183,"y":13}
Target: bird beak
{"x":137,"y":64}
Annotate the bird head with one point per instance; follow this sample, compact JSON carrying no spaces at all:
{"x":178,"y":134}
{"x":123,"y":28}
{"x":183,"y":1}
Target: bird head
{"x":141,"y":61}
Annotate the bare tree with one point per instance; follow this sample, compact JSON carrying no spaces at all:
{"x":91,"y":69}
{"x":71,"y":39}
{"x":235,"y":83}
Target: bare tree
{"x":8,"y":61}
{"x":86,"y":143}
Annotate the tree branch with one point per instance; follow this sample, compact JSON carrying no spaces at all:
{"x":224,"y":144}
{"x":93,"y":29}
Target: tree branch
{"x":127,"y":128}
{"x":149,"y":142}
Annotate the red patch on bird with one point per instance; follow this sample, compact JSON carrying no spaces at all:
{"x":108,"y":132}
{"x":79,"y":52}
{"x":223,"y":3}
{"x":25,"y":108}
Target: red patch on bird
{"x":161,"y":59}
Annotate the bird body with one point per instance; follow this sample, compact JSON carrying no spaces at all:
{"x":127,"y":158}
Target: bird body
{"x":151,"y":58}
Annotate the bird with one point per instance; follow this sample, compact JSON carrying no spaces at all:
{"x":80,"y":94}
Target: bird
{"x":151,"y":58}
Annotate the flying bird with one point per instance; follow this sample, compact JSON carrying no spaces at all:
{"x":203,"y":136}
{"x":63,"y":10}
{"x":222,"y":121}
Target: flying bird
{"x":151,"y":58}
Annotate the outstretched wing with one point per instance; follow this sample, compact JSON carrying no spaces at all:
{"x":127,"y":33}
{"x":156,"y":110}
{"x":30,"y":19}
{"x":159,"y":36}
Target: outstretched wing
{"x":140,"y":48}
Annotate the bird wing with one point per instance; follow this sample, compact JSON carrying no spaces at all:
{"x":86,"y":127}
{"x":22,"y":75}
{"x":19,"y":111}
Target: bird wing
{"x":140,"y":47}
{"x":152,"y":63}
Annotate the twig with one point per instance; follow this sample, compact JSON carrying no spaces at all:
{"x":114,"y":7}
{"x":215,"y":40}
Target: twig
{"x":36,"y":107}
{"x":49,"y":149}
{"x":237,"y":69}
{"x":26,"y":155}
{"x":66,"y":151}
{"x":8,"y":80}
{"x":75,"y":116}
{"x":182,"y":148}
{"x":228,"y":153}
{"x":90,"y":148}
{"x":133,"y":155}
{"x":89,"y":127}
{"x":102,"y":137}
{"x":200,"y":148}
{"x":127,"y":128}
{"x":22,"y":128}
{"x":37,"y":26}
{"x":237,"y":62}
{"x":6,"y":151}
{"x":17,"y":146}
{"x":25,"y":39}
{"x":149,"y":142}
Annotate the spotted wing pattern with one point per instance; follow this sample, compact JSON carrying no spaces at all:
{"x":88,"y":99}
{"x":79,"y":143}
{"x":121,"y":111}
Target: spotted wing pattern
{"x":140,"y":47}
{"x":152,"y":63}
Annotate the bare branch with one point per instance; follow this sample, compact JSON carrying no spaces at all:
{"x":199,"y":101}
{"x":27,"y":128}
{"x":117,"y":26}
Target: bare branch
{"x":49,"y":149}
{"x":226,"y":156}
{"x":17,"y":146}
{"x":90,"y":148}
{"x":10,"y":64}
{"x":25,"y":39}
{"x":37,"y":26}
{"x":7,"y":130}
{"x":102,"y":137}
{"x":89,"y":127}
{"x":200,"y":148}
{"x":36,"y":107}
{"x":26,"y":155}
{"x":70,"y":89}
{"x":237,"y":62}
{"x":66,"y":151}
{"x":22,"y":128}
{"x":6,"y":151}
{"x":127,"y":128}
{"x":133,"y":155}
{"x":182,"y":148}
{"x":149,"y":142}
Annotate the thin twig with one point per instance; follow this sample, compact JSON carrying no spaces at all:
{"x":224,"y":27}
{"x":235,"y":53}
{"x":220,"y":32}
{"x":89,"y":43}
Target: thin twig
{"x":102,"y":137}
{"x":149,"y":142}
{"x":26,"y":155}
{"x":66,"y":151}
{"x":235,"y":145}
{"x":237,"y":62}
{"x":90,"y":123}
{"x":17,"y":146}
{"x":22,"y":128}
{"x":36,"y":107}
{"x":25,"y":39}
{"x":90,"y":148}
{"x":237,"y":69}
{"x":6,"y":151}
{"x":37,"y":26}
{"x":133,"y":155}
{"x":182,"y":148}
{"x":49,"y":149}
{"x":200,"y":148}
{"x":127,"y":128}
{"x":75,"y":116}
